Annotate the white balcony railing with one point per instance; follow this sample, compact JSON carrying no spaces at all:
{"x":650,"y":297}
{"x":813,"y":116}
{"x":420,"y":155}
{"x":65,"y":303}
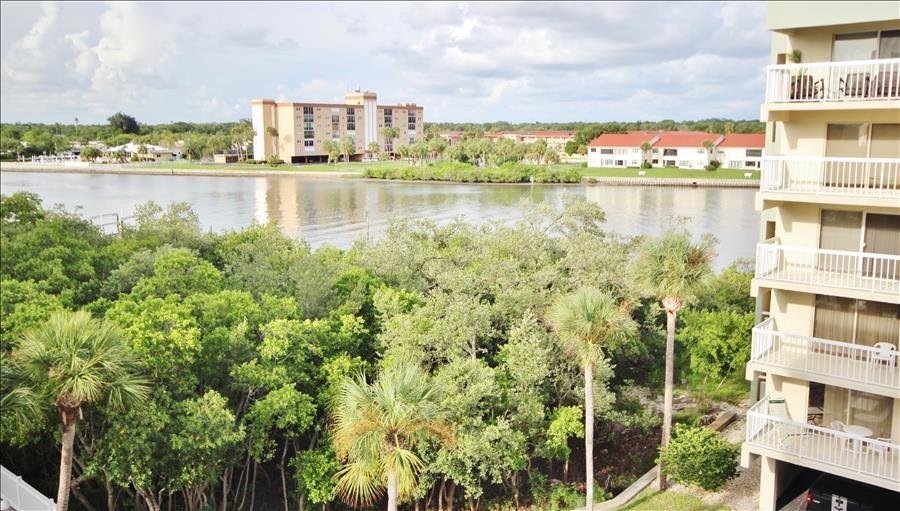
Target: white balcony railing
{"x":853,"y":362}
{"x":858,"y":271}
{"x":858,"y":177}
{"x":827,"y":446}
{"x":20,"y":495}
{"x":859,"y":80}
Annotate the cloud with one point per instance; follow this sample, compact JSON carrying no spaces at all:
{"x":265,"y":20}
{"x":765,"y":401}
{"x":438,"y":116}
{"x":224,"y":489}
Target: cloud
{"x":463,"y":61}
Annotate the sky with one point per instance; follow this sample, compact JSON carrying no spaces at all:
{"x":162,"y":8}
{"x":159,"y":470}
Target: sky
{"x":464,"y":62}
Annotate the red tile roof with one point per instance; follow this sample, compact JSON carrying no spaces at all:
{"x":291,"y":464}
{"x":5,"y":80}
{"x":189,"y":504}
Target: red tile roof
{"x":682,"y":139}
{"x":554,"y":133}
{"x":631,"y":139}
{"x":754,"y":140}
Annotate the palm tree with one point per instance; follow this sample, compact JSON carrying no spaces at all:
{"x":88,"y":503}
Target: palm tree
{"x":646,"y":147}
{"x":375,"y":428}
{"x":347,"y":147}
{"x":389,"y":134}
{"x":73,"y":360}
{"x":588,"y":321}
{"x":272,"y":132}
{"x":672,"y":268}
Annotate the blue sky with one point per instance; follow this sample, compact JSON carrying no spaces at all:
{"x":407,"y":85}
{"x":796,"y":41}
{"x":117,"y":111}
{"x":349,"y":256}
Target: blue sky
{"x":478,"y":61}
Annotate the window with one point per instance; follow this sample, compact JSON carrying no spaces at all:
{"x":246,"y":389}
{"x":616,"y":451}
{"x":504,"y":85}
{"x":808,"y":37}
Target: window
{"x":753,"y":153}
{"x":388,"y":118}
{"x":858,"y":46}
{"x":389,"y":145}
{"x":307,"y":143}
{"x":670,"y":152}
{"x":684,"y":163}
{"x":335,"y":123}
{"x":593,"y":149}
{"x":655,"y":162}
{"x":412,"y":140}
{"x":606,"y":151}
{"x":889,"y":48}
{"x":351,"y":119}
{"x":411,"y":120}
{"x":308,"y":128}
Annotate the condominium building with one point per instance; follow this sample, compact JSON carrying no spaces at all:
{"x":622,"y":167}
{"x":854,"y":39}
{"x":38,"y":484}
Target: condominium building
{"x":556,"y":139}
{"x":296,"y":132}
{"x":687,"y":150}
{"x":824,"y":368}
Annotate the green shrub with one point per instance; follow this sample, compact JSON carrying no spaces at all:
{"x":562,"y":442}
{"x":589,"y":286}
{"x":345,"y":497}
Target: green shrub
{"x":584,"y":164}
{"x":272,"y":160}
{"x":460,"y":172}
{"x":713,"y":165}
{"x":699,"y":457}
{"x":646,"y":165}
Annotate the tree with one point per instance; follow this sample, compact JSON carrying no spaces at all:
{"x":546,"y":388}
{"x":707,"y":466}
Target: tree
{"x":389,"y":134}
{"x":376,"y":428}
{"x":74,"y":360}
{"x":124,"y":123}
{"x":673,"y":268}
{"x":587,"y":322}
{"x":373,"y":148}
{"x":333,"y":150}
{"x":348,"y":147}
{"x":273,"y":132}
{"x":90,"y":154}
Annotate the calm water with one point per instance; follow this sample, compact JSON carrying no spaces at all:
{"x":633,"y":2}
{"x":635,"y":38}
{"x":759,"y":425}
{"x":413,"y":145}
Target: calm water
{"x":337,"y":211}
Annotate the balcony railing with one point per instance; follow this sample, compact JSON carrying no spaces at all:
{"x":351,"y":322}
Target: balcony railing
{"x":20,"y":495}
{"x":827,"y":446}
{"x":860,"y":80}
{"x":853,"y":362}
{"x":859,"y":177}
{"x":858,"y":271}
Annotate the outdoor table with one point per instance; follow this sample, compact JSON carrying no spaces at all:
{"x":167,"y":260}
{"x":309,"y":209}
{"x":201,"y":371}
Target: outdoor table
{"x":858,"y":432}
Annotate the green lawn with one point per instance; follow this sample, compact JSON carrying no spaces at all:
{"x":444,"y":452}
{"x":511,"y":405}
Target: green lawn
{"x":670,"y":172}
{"x":652,"y":500}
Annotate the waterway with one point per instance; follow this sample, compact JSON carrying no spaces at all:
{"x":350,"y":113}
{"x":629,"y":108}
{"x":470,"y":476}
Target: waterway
{"x":337,"y":211}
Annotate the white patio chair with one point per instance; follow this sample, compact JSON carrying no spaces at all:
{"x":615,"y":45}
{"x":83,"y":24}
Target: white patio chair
{"x":843,"y":442}
{"x":887,"y":353}
{"x":784,"y":432}
{"x":878,"y":449}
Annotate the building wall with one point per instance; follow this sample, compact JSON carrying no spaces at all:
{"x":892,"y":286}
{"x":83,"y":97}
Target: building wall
{"x":687,"y":157}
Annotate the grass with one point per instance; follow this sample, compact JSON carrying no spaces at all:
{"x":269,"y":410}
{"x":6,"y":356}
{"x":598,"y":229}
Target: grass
{"x":670,"y":173}
{"x":653,"y":500}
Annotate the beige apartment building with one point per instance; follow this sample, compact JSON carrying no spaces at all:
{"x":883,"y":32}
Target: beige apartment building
{"x":301,"y":129}
{"x":824,"y":368}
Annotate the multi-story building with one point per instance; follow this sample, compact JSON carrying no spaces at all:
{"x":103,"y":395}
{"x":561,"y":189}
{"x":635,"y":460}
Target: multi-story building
{"x":688,"y":150}
{"x":300,"y":129}
{"x":824,"y":367}
{"x":556,"y":139}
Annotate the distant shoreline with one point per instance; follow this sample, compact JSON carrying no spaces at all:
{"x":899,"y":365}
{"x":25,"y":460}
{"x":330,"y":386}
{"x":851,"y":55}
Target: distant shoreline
{"x":224,"y":172}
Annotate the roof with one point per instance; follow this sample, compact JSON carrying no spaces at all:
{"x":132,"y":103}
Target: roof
{"x":681,"y":139}
{"x":754,"y":140}
{"x":553,"y":133}
{"x":632,"y":139}
{"x":131,"y":147}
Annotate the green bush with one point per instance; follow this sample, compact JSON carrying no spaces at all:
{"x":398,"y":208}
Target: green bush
{"x":272,"y":160}
{"x":699,"y":457}
{"x":460,"y":172}
{"x":713,"y":165}
{"x":646,"y":165}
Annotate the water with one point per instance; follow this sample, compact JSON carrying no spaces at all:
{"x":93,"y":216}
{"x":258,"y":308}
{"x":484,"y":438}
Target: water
{"x":338,"y":211}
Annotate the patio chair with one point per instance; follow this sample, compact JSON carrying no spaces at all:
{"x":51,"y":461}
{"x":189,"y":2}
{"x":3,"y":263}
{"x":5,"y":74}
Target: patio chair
{"x":784,"y":432}
{"x":887,"y":84}
{"x":855,"y":85}
{"x":877,"y":449}
{"x":887,"y":353}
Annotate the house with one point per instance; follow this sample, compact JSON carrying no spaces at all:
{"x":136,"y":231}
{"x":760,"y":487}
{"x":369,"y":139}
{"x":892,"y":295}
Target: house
{"x":620,"y":149}
{"x":824,"y":369}
{"x":685,"y":150}
{"x":142,"y":151}
{"x":741,"y":151}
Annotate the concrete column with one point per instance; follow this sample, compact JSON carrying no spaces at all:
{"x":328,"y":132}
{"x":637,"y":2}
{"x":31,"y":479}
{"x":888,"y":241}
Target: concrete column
{"x":768,"y":483}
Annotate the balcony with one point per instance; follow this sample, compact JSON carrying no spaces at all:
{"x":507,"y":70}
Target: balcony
{"x":861,"y":458}
{"x":829,"y":82}
{"x":812,"y":270}
{"x":832,"y":180}
{"x":842,"y":364}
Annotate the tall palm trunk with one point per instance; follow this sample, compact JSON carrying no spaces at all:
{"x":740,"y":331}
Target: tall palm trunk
{"x":671,"y":307}
{"x":589,"y":434}
{"x":69,"y":418}
{"x":392,"y":490}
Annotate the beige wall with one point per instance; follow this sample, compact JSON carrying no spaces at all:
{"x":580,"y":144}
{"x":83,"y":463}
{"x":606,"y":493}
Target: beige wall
{"x":789,"y":15}
{"x":794,"y":312}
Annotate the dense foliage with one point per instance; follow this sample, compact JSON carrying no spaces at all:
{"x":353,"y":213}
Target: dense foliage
{"x":246,"y":338}
{"x":468,"y":173}
{"x":700,"y":457}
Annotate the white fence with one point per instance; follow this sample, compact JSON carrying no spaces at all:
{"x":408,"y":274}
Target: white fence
{"x":20,"y":495}
{"x":859,"y":363}
{"x":837,"y":268}
{"x":858,"y":80}
{"x":865,"y":177}
{"x":828,"y":446}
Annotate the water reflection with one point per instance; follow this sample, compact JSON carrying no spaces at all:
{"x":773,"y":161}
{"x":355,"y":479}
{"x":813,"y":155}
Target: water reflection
{"x":338,"y":211}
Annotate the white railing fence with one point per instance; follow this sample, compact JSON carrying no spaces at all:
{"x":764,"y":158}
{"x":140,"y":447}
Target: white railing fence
{"x":833,"y":81}
{"x":806,"y":441}
{"x":860,"y":363}
{"x":868,"y":177}
{"x":20,"y":495}
{"x":836,"y":268}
